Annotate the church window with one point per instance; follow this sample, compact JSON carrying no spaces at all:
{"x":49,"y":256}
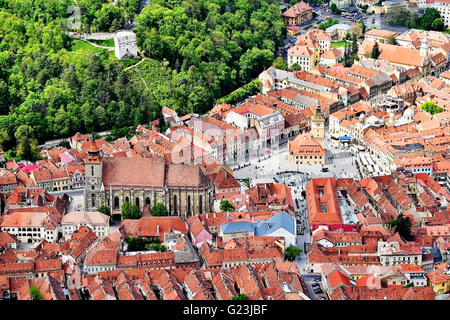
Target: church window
{"x":175,"y":205}
{"x":189,"y":205}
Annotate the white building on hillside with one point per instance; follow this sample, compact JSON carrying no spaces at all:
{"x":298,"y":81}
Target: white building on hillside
{"x":125,"y":45}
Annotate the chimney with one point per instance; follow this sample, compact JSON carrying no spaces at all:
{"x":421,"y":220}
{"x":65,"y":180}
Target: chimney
{"x":157,"y":228}
{"x":214,"y":215}
{"x":207,"y":216}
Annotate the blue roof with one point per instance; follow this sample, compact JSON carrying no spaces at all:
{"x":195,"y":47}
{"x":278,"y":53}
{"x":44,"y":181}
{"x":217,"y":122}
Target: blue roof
{"x":233,"y":227}
{"x":280,"y":220}
{"x":345,"y":138}
{"x":437,"y":257}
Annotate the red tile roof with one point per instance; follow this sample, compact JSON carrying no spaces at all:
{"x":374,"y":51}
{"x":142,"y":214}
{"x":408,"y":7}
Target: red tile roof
{"x":153,"y":226}
{"x":337,"y":278}
{"x":437,"y":276}
{"x":323,"y":206}
{"x":367,"y":293}
{"x":195,"y":225}
{"x":297,"y":9}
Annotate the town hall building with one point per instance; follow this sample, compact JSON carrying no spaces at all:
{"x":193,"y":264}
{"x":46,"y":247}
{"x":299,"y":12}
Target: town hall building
{"x":308,"y":148}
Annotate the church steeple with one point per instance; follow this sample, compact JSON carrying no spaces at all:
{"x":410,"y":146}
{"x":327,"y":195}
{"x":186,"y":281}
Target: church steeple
{"x":317,"y":116}
{"x":93,"y":175}
{"x":93,"y":153}
{"x":92,"y":148}
{"x":424,"y":47}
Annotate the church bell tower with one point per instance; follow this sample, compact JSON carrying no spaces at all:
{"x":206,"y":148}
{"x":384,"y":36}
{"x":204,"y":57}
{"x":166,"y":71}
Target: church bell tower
{"x":93,"y":176}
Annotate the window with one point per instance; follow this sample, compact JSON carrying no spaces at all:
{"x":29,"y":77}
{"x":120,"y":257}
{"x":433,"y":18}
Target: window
{"x":189,"y":205}
{"x":116,"y":203}
{"x":175,"y":211}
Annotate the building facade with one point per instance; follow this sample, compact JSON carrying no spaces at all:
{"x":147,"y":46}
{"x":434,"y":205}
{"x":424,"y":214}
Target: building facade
{"x":298,"y":14}
{"x":125,"y":45}
{"x":183,"y":189}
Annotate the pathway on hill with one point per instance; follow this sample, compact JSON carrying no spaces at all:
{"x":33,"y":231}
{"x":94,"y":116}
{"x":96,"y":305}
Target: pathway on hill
{"x":134,"y":65}
{"x":91,"y":36}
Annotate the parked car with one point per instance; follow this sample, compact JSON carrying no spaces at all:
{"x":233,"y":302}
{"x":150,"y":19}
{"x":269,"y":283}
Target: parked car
{"x":318,"y":290}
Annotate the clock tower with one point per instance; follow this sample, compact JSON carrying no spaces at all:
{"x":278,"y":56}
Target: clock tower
{"x":93,"y":176}
{"x":318,"y":126}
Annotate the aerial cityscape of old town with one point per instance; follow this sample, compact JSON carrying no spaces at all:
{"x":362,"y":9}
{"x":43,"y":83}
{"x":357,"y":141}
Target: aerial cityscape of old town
{"x":224,"y":150}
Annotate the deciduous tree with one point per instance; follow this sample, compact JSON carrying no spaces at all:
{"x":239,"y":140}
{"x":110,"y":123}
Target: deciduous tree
{"x":159,"y":209}
{"x":225,"y":205}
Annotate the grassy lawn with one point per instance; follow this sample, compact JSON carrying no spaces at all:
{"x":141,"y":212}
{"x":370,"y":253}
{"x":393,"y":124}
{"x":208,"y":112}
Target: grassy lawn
{"x":106,"y":43}
{"x":84,"y":47}
{"x":337,"y":44}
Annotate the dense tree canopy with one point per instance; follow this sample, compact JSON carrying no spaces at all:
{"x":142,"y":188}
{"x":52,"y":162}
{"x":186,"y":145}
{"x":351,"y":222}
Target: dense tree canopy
{"x":403,"y":226}
{"x":198,"y":51}
{"x":35,"y":293}
{"x":159,"y":209}
{"x":55,"y":92}
{"x":130,"y":211}
{"x":431,"y":19}
{"x":375,"y":51}
{"x":155,"y":246}
{"x":210,"y":46}
{"x":431,"y":107}
{"x":137,"y":243}
{"x":225,"y":205}
{"x":292,"y":252}
{"x":330,"y":22}
{"x":104,"y":209}
{"x":143,"y":244}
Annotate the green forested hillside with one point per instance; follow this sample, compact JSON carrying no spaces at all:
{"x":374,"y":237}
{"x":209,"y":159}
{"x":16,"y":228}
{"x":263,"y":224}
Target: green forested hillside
{"x":197,"y":51}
